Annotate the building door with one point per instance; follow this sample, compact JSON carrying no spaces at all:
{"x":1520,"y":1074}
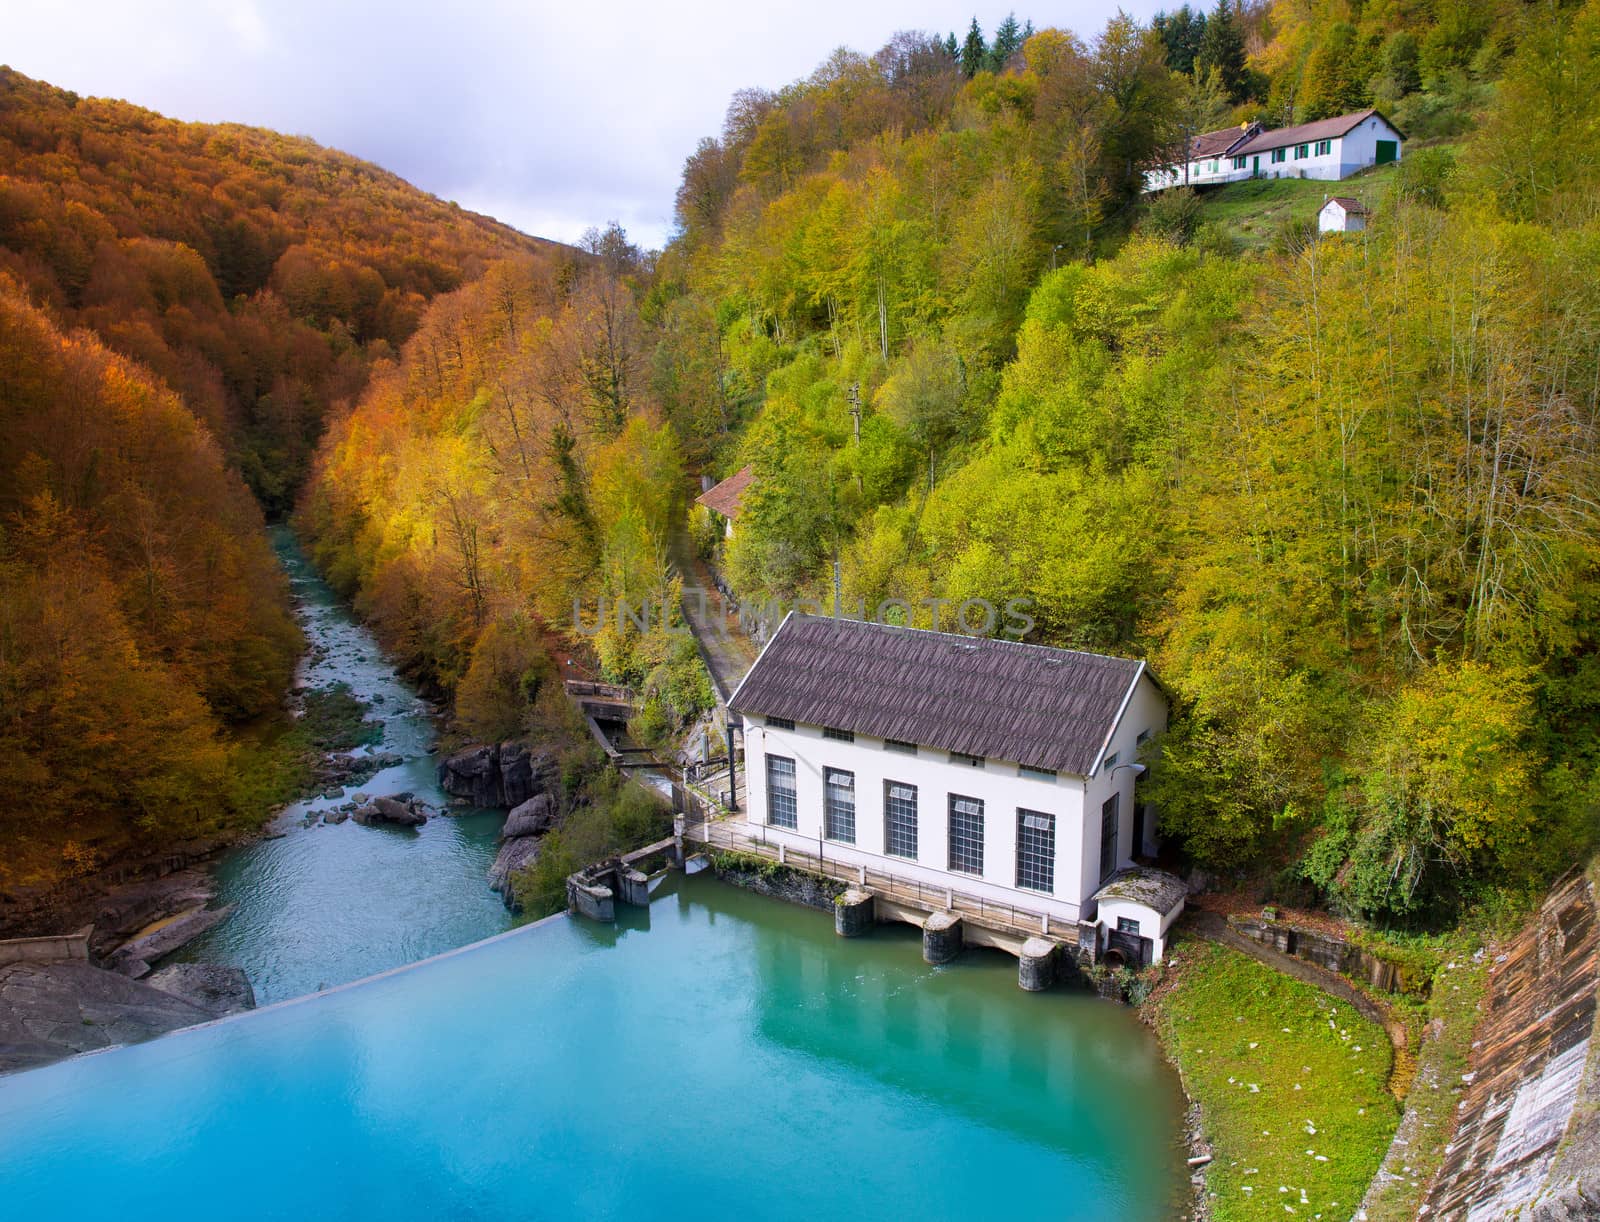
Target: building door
{"x":1138,"y":829}
{"x":1255,"y":170}
{"x":1388,"y":150}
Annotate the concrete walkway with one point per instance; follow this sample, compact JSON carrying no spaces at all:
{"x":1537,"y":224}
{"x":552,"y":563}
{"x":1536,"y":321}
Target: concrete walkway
{"x":727,"y":652}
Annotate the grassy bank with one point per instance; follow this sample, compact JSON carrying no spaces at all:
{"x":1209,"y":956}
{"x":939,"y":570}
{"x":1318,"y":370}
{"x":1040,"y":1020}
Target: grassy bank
{"x":1449,"y":1018}
{"x":1290,"y":1082}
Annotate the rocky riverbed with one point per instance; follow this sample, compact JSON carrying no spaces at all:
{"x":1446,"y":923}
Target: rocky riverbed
{"x":395,"y":853}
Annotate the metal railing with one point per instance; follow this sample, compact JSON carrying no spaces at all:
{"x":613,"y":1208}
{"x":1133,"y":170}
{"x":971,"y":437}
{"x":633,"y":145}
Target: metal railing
{"x":981,"y":910}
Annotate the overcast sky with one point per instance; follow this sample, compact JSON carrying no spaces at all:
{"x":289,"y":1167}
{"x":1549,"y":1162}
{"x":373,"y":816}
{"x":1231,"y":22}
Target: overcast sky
{"x":551,"y":117}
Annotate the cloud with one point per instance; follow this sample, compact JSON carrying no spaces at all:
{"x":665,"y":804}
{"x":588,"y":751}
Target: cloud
{"x":553,"y":117}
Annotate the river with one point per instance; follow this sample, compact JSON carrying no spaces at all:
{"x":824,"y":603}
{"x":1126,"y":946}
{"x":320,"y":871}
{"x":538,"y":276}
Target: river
{"x":327,"y":904}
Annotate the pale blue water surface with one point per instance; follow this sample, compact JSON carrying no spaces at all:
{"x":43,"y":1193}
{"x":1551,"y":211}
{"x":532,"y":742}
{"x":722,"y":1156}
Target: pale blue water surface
{"x":722,"y":1055}
{"x":328,"y":904}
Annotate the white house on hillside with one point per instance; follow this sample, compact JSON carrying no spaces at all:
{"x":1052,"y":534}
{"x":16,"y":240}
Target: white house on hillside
{"x":1207,"y":159}
{"x":1329,"y":149}
{"x":1341,"y":214}
{"x":1001,"y":770}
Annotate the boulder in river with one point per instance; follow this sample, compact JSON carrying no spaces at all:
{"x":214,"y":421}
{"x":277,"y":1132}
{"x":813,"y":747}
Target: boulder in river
{"x":217,"y":989}
{"x":472,"y":773}
{"x":497,"y":774}
{"x":401,"y":809}
{"x":133,"y":958}
{"x":532,"y":818}
{"x":515,"y":854}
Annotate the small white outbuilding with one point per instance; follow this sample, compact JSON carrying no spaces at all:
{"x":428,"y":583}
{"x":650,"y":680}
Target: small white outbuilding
{"x":1341,"y":214}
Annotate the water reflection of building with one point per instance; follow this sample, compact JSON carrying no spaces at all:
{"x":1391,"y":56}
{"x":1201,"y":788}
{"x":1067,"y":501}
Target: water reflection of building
{"x":1062,"y":1069}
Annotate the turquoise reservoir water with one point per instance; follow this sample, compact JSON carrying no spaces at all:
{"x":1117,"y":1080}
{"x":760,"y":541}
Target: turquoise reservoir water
{"x":725,"y":1055}
{"x":328,"y":904}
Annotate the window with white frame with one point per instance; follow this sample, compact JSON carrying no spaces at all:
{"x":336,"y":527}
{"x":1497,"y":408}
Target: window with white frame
{"x":899,"y":747}
{"x":1279,"y":155}
{"x":1036,"y":774}
{"x":965,"y":760}
{"x":1036,"y":850}
{"x":783,"y":810}
{"x":1108,"y":835}
{"x":838,"y":736}
{"x":780,"y":723}
{"x":966,"y":834}
{"x":1127,"y":925}
{"x":839,"y":805}
{"x":900,"y":819}
{"x":1111,"y":760}
{"x":1324,"y":147}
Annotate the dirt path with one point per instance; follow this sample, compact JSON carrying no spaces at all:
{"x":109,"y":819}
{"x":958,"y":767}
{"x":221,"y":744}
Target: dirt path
{"x":727,"y":652}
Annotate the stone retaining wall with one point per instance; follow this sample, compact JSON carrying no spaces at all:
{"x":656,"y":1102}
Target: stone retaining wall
{"x":782,"y":883}
{"x":1326,"y":951}
{"x":52,"y":949}
{"x":1524,"y":1146}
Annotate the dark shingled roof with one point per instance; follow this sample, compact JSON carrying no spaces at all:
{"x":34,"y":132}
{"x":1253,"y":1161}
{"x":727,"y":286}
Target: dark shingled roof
{"x":1140,"y":885}
{"x":726,"y":497}
{"x":1353,"y":206}
{"x":1309,"y":133}
{"x":1212,"y":144}
{"x":1047,"y":708}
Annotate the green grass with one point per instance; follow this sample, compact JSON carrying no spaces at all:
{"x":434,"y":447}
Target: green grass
{"x":1253,"y":211}
{"x":1291,"y":1083}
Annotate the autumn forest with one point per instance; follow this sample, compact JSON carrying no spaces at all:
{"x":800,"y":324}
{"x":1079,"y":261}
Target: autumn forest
{"x":1341,"y":492}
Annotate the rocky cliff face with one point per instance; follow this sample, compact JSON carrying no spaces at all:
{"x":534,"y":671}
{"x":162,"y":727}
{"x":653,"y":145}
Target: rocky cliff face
{"x":519,"y":843}
{"x":497,"y":774}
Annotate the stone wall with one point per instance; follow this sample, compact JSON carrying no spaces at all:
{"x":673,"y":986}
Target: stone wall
{"x":1524,"y":1144}
{"x":52,"y":949}
{"x":1326,"y":951}
{"x":779,"y":882}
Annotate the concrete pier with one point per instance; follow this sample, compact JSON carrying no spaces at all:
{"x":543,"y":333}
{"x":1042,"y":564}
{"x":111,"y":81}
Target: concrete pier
{"x":596,"y":903}
{"x":633,"y":887}
{"x":853,"y":913}
{"x":941,"y":937}
{"x":1036,"y":965}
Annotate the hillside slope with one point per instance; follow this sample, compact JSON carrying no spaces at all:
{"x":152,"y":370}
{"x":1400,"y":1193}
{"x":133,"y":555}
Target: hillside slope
{"x":181,"y":307}
{"x":258,"y":274}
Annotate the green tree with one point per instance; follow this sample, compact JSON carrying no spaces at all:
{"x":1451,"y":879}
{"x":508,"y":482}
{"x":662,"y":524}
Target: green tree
{"x":1008,"y":40}
{"x":1537,"y":152}
{"x":974,"y":51}
{"x":1222,"y":51}
{"x":926,"y":396}
{"x":1333,"y":83}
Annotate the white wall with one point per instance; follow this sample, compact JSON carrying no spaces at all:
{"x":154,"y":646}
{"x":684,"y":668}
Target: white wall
{"x":999,"y":784}
{"x":1152,"y":924}
{"x":1359,"y":147}
{"x":1334,"y":219}
{"x":1146,"y":710}
{"x":1355,"y":150}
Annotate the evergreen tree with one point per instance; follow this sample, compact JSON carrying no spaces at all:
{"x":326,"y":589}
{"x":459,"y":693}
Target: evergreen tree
{"x":1181,"y":34}
{"x":1007,"y":42}
{"x":974,"y":52}
{"x":952,"y":48}
{"x":1222,"y":50}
